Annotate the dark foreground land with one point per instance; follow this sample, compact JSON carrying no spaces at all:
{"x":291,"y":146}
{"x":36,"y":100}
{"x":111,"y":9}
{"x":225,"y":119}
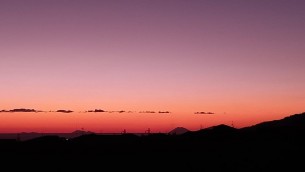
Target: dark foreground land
{"x":270,"y":146}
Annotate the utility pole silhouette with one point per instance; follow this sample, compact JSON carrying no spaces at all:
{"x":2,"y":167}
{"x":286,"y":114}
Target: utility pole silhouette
{"x":147,"y":131}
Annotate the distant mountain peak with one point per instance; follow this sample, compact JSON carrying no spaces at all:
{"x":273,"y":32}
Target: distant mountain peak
{"x":178,"y":131}
{"x":81,"y":132}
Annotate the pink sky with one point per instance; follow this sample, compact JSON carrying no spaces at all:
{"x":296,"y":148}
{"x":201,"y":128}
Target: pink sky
{"x":242,"y":60}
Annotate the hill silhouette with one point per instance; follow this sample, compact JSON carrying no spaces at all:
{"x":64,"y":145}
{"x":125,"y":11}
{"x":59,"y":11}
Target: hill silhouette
{"x":293,"y":121}
{"x":273,"y":145}
{"x":178,"y":131}
{"x":219,"y":129}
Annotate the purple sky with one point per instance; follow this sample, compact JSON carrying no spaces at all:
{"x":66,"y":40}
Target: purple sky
{"x":233,"y":56}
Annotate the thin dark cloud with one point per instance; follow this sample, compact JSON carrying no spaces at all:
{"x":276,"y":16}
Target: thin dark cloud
{"x":164,"y":112}
{"x":97,"y":110}
{"x":147,"y":112}
{"x":89,"y":111}
{"x":204,"y":113}
{"x":120,"y":111}
{"x":64,"y":111}
{"x":21,"y":110}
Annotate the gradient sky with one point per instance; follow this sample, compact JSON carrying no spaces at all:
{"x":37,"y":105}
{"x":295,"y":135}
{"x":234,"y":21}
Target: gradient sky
{"x":242,"y":60}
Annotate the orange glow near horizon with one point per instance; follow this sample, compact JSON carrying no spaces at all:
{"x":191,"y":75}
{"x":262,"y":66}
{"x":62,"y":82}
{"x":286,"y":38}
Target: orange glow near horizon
{"x":243,"y":109}
{"x":53,"y":122}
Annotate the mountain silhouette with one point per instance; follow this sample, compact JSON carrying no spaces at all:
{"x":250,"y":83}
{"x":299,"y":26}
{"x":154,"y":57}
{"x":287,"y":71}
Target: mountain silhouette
{"x":220,"y":128}
{"x":178,"y":131}
{"x":214,"y":131}
{"x":294,"y":121}
{"x":82,"y":132}
{"x":292,"y":127}
{"x":268,"y":146}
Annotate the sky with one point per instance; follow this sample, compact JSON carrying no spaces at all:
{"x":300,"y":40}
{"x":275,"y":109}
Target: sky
{"x":243,"y":61}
